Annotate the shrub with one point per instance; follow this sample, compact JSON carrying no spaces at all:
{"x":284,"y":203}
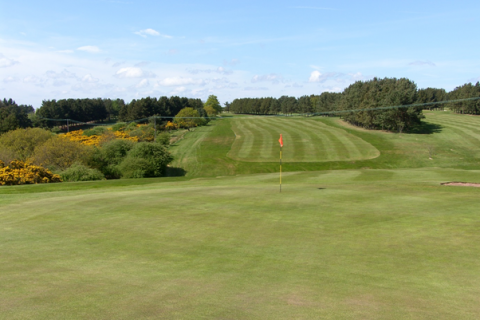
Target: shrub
{"x":188,"y":118}
{"x":60,"y":153}
{"x":80,"y":172}
{"x":119,"y":126}
{"x":107,"y":158}
{"x":20,"y":144}
{"x":155,"y":154}
{"x":135,"y":168}
{"x":95,"y":131}
{"x":114,"y":151}
{"x":164,"y":138}
{"x":19,"y":172}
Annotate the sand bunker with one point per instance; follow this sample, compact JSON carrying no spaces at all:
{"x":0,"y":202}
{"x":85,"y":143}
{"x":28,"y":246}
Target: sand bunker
{"x":461,"y":184}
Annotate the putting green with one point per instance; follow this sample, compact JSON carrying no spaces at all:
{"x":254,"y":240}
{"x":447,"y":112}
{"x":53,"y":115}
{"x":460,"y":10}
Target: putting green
{"x":305,"y":140}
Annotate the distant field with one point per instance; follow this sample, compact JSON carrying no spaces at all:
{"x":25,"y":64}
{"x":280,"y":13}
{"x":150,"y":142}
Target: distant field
{"x":305,"y":140}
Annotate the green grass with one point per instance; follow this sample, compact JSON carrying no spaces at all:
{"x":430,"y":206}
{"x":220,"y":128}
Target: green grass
{"x":305,"y":140}
{"x":349,"y":244}
{"x":376,"y":238}
{"x":447,"y":141}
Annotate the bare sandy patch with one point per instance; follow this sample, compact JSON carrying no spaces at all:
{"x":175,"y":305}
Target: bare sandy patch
{"x":461,"y":184}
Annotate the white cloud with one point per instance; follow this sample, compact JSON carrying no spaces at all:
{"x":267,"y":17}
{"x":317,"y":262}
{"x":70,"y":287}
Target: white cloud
{"x":10,"y":79}
{"x":294,"y":85}
{"x":315,"y":76}
{"x":178,"y":90}
{"x":33,"y":79}
{"x":90,"y":49}
{"x":6,"y":62}
{"x":142,"y":84}
{"x":132,"y":72}
{"x":272,"y":77}
{"x":65,"y":74}
{"x":180,"y":81}
{"x":90,"y":79}
{"x":65,"y":51}
{"x":59,"y":83}
{"x":357,"y":76}
{"x":150,"y":32}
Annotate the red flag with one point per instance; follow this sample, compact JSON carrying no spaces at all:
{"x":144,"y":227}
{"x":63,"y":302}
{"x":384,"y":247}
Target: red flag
{"x":281,"y":140}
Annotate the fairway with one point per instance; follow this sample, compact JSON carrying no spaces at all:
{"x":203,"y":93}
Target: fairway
{"x":305,"y":140}
{"x":352,"y":244}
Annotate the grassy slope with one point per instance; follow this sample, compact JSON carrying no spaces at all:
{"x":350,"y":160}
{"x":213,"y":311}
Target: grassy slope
{"x":362,"y":244}
{"x":451,"y":141}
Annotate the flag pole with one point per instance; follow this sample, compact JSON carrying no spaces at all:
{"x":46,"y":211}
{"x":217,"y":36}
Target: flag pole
{"x":281,"y":146}
{"x":280,"y":169}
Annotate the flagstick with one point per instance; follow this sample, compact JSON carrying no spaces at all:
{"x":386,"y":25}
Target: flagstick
{"x":280,"y":169}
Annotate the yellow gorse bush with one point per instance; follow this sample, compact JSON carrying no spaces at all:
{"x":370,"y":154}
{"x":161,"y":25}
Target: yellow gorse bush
{"x":95,"y":140}
{"x":19,"y":172}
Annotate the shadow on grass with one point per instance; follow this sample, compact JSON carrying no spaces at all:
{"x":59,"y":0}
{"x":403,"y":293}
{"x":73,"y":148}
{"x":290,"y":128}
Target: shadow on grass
{"x":426,"y":128}
{"x":175,"y":172}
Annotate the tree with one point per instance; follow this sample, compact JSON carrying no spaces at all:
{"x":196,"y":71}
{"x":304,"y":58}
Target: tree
{"x":188,"y":118}
{"x":388,"y":92}
{"x":213,"y":102}
{"x":210,"y":111}
{"x":13,"y":116}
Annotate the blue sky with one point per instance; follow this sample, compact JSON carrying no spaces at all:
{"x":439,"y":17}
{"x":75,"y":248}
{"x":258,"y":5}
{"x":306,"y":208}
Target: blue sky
{"x":233,"y":49}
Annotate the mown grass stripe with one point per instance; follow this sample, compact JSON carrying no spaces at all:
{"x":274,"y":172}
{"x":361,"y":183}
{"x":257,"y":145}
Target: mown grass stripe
{"x":244,"y":139}
{"x":262,"y":145}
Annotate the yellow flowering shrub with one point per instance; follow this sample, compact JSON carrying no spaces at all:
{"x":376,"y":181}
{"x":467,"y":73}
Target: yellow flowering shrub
{"x":95,"y":140}
{"x":19,"y":172}
{"x":170,"y":126}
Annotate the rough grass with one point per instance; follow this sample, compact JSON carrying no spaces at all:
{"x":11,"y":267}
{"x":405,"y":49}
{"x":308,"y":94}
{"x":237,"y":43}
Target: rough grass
{"x":349,"y":244}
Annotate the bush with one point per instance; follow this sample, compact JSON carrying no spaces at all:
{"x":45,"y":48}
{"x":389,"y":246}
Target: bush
{"x":95,"y":131}
{"x":59,"y":153}
{"x":80,"y":172}
{"x":155,"y":154}
{"x":135,"y":168}
{"x":20,"y":144}
{"x":19,"y":172}
{"x":107,"y":158}
{"x":114,"y":151}
{"x":164,"y":138}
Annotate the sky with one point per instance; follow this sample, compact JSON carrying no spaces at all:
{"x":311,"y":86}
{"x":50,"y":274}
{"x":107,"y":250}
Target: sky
{"x":231,"y":49}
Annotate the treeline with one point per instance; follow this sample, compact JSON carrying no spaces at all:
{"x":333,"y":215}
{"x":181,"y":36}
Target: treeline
{"x":468,"y":90}
{"x":83,"y":110}
{"x":328,"y":101}
{"x":285,"y":104}
{"x":164,"y":106}
{"x":86,"y":110}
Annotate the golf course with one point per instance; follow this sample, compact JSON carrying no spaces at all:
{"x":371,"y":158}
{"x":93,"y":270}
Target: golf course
{"x":363,"y":228}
